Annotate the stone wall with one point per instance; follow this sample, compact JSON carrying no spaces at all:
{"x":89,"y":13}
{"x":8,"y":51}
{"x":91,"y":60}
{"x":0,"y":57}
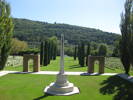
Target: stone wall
{"x":14,"y":61}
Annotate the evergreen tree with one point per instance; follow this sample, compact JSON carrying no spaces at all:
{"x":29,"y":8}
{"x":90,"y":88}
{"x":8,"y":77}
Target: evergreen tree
{"x":41,"y":53}
{"x":75,"y":52}
{"x":79,"y":54}
{"x":102,"y":50}
{"x":45,"y":60}
{"x":82,"y":54}
{"x":53,"y":47}
{"x":6,"y":31}
{"x":116,"y":49}
{"x":87,"y":53}
{"x":49,"y":50}
{"x":54,"y":51}
{"x":126,"y":46}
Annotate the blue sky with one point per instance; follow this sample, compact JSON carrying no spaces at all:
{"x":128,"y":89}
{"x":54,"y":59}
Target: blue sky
{"x":99,"y":14}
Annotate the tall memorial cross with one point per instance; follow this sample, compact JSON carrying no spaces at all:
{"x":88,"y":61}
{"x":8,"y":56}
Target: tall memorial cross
{"x":62,"y":55}
{"x":61,"y":86}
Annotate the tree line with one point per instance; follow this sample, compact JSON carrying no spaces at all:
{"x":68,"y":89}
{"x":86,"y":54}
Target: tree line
{"x":48,"y":51}
{"x":82,"y":51}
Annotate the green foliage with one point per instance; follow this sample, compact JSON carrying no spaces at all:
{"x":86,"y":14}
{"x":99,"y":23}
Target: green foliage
{"x":41,"y":53}
{"x":87,"y":53}
{"x":126,"y":42}
{"x":54,"y":43}
{"x":75,"y":52}
{"x":38,"y":31}
{"x":102,"y":51}
{"x":29,"y":51}
{"x":116,"y":49}
{"x":45,"y":62}
{"x":81,"y":54}
{"x":50,"y":50}
{"x":18,"y":46}
{"x":6,"y":30}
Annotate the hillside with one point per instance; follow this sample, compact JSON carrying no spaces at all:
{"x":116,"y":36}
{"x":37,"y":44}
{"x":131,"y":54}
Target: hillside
{"x":29,"y":30}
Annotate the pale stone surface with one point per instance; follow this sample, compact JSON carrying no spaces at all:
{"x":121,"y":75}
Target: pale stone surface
{"x":126,"y":77}
{"x":92,"y":59}
{"x":62,"y":85}
{"x":36,"y":62}
{"x":75,"y":91}
{"x":2,"y":73}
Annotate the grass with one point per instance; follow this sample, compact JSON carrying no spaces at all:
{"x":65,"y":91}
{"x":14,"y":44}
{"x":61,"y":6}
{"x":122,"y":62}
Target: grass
{"x":70,"y":65}
{"x":30,"y":87}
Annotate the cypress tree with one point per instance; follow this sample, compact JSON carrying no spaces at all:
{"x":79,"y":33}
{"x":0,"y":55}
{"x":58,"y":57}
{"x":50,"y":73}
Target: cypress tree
{"x":75,"y":52}
{"x":45,"y":60}
{"x":126,"y":48}
{"x":41,"y":53}
{"x":49,"y":51}
{"x":53,"y":47}
{"x":102,"y":50}
{"x":79,"y":54}
{"x":87,"y":53}
{"x":82,"y":51}
{"x":6,"y":30}
{"x":54,"y":51}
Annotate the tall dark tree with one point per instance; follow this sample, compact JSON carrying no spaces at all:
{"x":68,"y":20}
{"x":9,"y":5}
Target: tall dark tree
{"x":75,"y":52}
{"x":54,"y":51}
{"x":49,"y":51}
{"x":102,"y":50}
{"x":41,"y":53}
{"x":87,"y":53}
{"x":45,"y":60}
{"x":53,"y":41}
{"x":126,"y":50}
{"x":6,"y":31}
{"x":81,"y":54}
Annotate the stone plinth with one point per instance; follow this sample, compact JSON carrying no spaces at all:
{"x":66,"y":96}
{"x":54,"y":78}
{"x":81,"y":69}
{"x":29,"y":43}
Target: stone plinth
{"x":61,"y":87}
{"x":91,"y":61}
{"x":36,"y":62}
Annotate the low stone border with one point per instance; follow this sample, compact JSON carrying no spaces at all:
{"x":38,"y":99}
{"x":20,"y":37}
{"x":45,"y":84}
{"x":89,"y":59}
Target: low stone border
{"x":126,"y":77}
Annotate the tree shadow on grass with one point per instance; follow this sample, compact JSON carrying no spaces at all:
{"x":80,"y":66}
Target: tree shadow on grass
{"x":74,"y":66}
{"x":121,"y":89}
{"x":42,"y":97}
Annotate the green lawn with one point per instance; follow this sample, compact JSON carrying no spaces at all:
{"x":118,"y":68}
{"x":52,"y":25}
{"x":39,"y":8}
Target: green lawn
{"x":30,"y":87}
{"x":70,"y":65}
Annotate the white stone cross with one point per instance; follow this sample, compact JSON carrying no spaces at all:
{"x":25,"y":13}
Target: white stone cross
{"x":62,"y":55}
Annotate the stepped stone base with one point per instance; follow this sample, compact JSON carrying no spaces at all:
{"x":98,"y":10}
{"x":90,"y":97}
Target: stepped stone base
{"x":61,"y":87}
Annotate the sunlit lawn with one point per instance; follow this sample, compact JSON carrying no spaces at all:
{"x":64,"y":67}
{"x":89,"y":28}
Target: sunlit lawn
{"x":30,"y":87}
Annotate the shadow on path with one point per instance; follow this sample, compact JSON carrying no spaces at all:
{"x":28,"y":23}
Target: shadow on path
{"x":121,"y":89}
{"x":42,"y":97}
